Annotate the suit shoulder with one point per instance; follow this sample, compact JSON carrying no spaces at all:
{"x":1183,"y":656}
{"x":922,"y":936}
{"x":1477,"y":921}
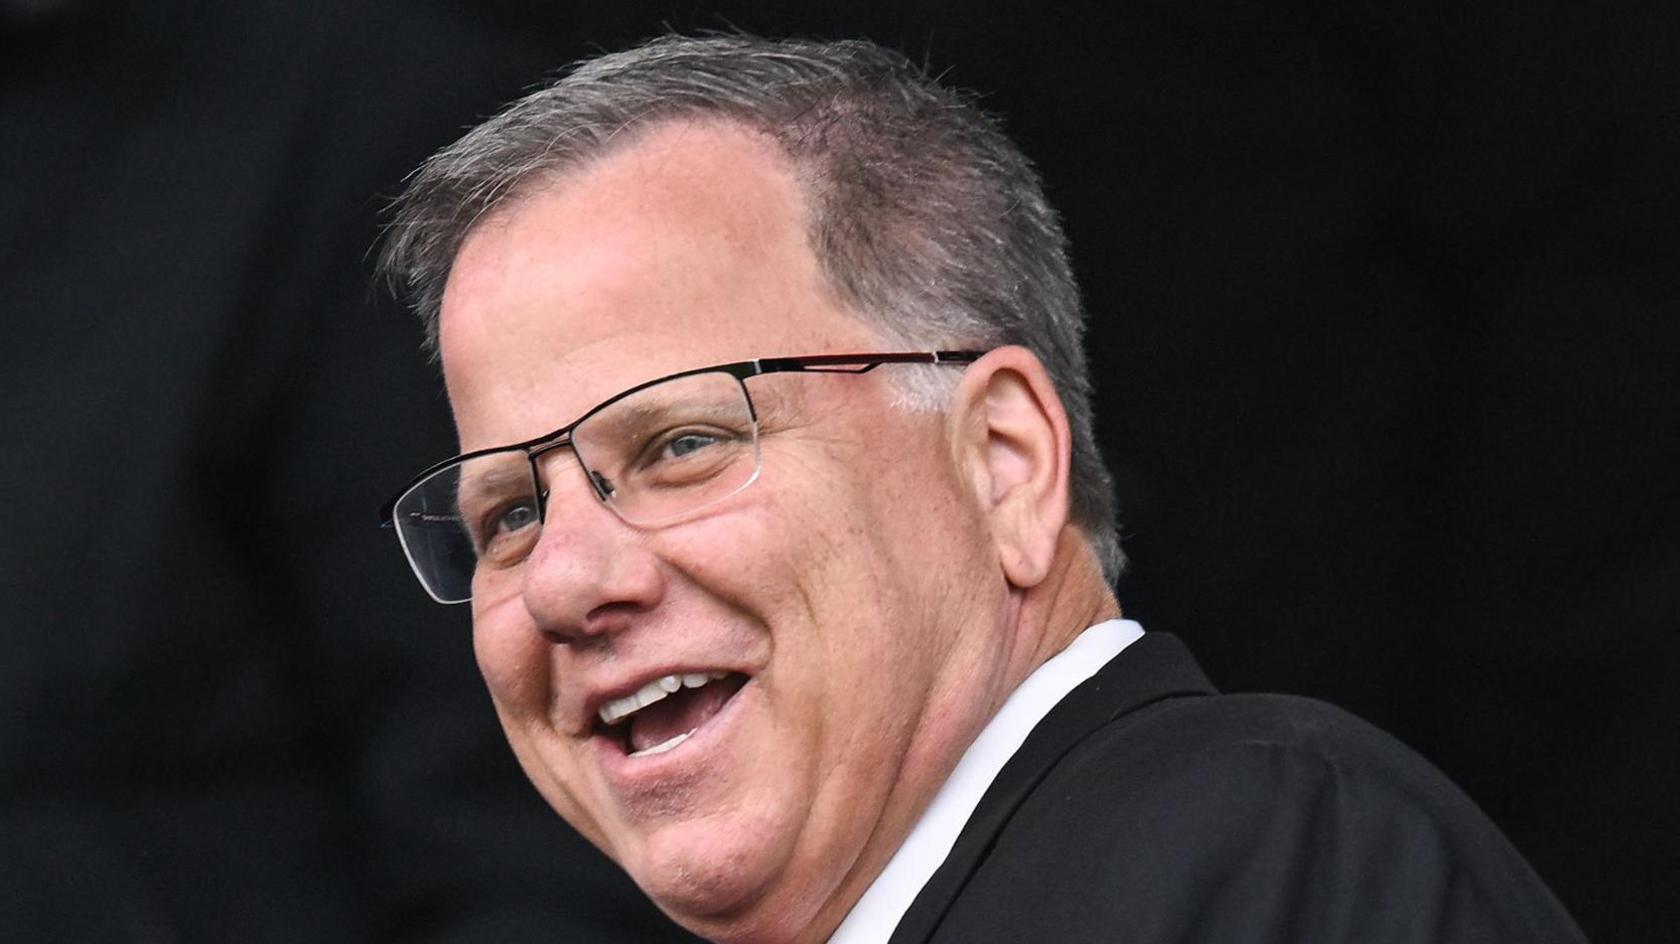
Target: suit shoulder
{"x":1228,"y":775}
{"x":1250,"y":734}
{"x":1233,"y":811}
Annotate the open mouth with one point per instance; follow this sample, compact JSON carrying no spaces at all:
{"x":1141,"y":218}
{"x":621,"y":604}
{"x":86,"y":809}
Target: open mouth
{"x":666,"y":711}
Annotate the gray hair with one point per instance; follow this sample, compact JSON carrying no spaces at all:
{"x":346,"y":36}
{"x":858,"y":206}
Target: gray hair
{"x":927,"y":221}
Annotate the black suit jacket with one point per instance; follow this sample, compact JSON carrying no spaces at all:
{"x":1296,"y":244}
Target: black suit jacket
{"x":1148,"y":807}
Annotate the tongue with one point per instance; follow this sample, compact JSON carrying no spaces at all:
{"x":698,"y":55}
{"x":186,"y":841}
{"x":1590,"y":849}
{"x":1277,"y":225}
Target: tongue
{"x":679,"y":713}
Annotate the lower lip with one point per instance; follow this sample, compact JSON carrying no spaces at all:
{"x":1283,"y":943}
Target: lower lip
{"x":634,"y":774}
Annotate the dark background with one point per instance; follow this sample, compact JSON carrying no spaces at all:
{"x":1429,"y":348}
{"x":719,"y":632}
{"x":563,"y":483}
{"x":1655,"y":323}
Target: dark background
{"x":1381,"y":303}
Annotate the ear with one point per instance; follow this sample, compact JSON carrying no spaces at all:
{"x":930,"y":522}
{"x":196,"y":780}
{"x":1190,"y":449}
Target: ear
{"x":1011,"y":436}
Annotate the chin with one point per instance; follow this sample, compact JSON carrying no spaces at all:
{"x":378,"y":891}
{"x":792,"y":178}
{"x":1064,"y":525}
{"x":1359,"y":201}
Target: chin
{"x":721,"y":881}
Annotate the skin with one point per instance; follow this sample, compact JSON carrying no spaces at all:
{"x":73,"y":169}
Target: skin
{"x":888,"y":581}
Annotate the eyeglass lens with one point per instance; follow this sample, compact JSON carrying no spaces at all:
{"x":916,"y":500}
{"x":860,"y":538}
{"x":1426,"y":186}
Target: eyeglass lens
{"x":655,"y":456}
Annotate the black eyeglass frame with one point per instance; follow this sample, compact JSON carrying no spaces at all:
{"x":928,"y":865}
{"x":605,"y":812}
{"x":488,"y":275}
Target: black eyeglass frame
{"x":740,"y":370}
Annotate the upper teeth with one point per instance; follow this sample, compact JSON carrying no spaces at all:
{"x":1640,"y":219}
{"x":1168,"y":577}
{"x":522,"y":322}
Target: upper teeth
{"x":656,"y":690}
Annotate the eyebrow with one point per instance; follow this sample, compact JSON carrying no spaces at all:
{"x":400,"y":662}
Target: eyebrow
{"x":499,"y":480}
{"x":637,"y":416}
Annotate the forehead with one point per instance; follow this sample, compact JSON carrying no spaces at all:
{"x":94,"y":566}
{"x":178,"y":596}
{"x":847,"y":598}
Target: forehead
{"x":686,"y":248}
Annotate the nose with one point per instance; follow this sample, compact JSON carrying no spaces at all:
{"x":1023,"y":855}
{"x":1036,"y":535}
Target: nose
{"x":590,"y":574}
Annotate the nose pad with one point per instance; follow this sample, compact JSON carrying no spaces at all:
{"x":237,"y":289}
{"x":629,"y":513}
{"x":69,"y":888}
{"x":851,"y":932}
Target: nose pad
{"x":604,"y":487}
{"x":564,"y":506}
{"x":547,"y":468}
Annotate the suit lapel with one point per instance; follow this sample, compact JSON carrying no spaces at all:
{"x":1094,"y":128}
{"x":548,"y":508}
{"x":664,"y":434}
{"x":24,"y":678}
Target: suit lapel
{"x":1154,"y":667}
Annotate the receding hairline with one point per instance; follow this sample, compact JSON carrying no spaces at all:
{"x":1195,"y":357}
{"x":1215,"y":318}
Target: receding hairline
{"x":574,"y":168}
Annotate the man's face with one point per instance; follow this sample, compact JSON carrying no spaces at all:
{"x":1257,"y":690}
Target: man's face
{"x":846,"y":596}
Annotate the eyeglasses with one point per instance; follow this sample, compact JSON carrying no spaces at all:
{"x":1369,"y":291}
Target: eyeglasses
{"x":656,"y":454}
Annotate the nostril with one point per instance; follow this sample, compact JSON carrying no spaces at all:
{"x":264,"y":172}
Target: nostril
{"x":596,"y":630}
{"x":610,"y":618}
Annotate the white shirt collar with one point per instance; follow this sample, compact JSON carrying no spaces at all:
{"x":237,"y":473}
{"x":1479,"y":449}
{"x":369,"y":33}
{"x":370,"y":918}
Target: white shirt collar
{"x":877,"y":913}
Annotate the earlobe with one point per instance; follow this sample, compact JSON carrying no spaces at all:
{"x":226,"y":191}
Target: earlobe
{"x":1016,"y":443}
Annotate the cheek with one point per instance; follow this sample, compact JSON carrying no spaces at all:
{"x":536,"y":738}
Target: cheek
{"x":513,"y":660}
{"x":557,"y":778}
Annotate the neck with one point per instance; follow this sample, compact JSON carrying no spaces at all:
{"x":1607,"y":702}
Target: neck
{"x":1072,"y":597}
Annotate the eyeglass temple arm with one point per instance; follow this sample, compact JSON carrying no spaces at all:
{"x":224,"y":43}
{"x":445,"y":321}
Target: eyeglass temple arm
{"x":861,"y":363}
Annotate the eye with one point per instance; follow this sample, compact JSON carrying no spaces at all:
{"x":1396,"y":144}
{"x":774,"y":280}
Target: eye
{"x":682,"y":456}
{"x":506,"y":533}
{"x":684,"y":444}
{"x":515,"y":518}
{"x":686,"y":453}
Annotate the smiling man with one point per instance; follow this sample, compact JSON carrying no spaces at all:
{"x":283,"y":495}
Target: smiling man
{"x":789,"y":547}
